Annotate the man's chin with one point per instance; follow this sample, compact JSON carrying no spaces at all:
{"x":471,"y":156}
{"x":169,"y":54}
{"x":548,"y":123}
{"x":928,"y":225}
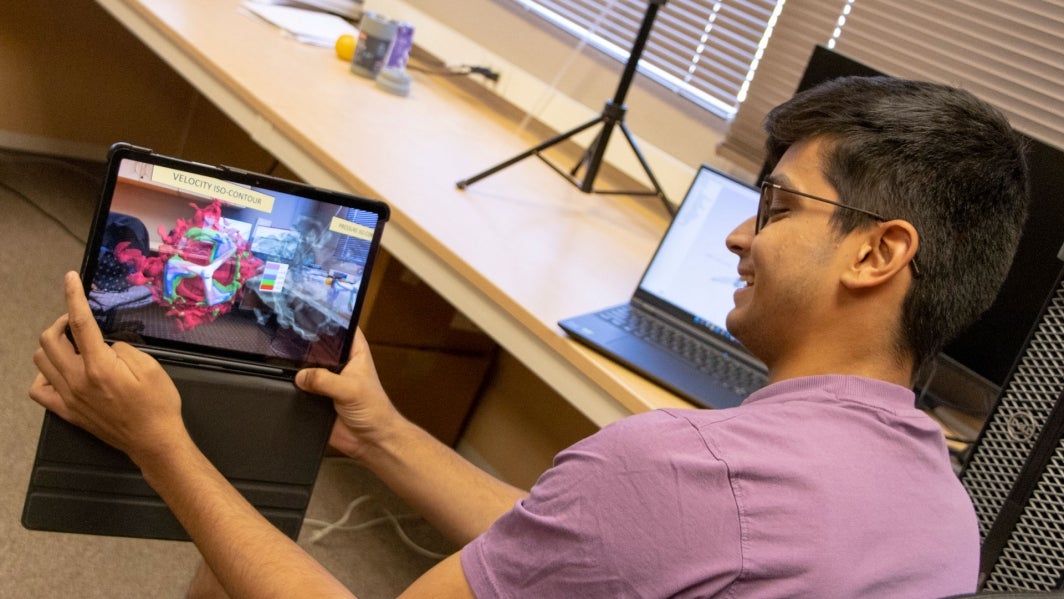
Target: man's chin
{"x":737,"y":333}
{"x":737,"y":327}
{"x":733,"y":322}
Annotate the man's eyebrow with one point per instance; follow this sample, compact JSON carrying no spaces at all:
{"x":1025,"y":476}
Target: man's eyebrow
{"x":775,"y":179}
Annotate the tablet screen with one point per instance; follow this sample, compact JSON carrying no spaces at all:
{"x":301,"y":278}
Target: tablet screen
{"x":229,"y":264}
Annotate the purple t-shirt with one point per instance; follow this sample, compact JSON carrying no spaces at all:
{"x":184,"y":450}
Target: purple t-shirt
{"x":826,"y":486}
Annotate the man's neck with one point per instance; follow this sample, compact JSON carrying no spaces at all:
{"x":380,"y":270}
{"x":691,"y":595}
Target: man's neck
{"x":851,"y":352}
{"x":898,"y":376}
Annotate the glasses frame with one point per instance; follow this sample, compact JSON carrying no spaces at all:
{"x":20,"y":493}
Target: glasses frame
{"x":764,"y":201}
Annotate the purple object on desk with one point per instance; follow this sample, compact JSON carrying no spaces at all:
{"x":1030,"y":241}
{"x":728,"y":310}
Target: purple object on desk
{"x":404,"y":40}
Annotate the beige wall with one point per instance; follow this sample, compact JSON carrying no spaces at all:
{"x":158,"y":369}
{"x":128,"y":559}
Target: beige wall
{"x":75,"y":81}
{"x":520,"y":424}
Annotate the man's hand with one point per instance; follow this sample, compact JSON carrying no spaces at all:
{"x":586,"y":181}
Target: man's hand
{"x":365,"y":414}
{"x":118,"y":393}
{"x":455,"y":496}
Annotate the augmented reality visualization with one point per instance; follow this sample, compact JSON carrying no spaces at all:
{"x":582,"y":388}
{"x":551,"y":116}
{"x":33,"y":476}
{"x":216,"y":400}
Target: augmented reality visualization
{"x":191,"y":259}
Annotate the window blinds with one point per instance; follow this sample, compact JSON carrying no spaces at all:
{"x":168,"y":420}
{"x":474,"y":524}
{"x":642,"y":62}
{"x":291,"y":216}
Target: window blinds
{"x":702,"y":51}
{"x":1008,"y":52}
{"x":800,"y":27}
{"x":351,"y":249}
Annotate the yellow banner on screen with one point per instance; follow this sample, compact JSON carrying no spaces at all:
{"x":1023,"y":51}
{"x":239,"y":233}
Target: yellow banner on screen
{"x":229,"y":193}
{"x":346,"y":227}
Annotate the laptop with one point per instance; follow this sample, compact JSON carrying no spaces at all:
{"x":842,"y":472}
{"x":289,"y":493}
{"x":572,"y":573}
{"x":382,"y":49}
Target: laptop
{"x":672,"y":330}
{"x":233,"y":281}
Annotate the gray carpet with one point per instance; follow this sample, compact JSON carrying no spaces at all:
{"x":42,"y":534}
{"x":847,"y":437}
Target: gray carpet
{"x":45,"y":208}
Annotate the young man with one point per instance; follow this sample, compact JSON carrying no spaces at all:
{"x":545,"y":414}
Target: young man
{"x":888,"y":223}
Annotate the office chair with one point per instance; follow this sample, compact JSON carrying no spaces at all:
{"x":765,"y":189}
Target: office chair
{"x":1010,"y":595}
{"x":1015,"y":472}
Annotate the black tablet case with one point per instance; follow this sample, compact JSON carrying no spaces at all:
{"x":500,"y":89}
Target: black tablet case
{"x":265,"y":436}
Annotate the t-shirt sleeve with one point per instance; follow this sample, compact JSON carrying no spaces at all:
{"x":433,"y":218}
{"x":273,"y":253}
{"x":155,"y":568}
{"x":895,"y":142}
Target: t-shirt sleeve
{"x":642,"y":508}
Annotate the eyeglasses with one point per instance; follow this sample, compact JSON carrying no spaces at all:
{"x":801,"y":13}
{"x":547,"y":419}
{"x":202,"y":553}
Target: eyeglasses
{"x":768,"y":198}
{"x":769,"y":190}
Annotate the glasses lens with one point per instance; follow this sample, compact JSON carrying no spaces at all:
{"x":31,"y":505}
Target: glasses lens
{"x":763,"y":206}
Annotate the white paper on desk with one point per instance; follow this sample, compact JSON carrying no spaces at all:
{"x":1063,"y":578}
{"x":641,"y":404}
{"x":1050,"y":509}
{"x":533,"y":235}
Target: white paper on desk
{"x":308,"y":26}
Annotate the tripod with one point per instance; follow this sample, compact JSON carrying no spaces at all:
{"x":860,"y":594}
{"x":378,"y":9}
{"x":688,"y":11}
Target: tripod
{"x":612,"y":115}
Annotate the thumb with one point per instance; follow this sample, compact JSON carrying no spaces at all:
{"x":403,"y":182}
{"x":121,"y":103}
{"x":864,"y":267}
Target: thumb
{"x":319,"y":381}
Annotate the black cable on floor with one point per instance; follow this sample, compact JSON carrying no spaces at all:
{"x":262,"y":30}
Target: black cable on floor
{"x":54,"y":219}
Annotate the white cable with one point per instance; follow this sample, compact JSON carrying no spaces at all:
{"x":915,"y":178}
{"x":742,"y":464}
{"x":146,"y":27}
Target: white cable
{"x":409,"y":542}
{"x":552,"y":88}
{"x":330,"y":527}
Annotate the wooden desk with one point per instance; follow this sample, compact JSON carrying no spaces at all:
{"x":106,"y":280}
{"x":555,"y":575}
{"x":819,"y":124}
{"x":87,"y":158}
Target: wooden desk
{"x":515,"y":252}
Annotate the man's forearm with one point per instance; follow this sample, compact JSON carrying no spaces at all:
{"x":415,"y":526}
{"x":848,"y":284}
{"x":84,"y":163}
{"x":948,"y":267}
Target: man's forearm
{"x":227,"y":530}
{"x":455,"y":496}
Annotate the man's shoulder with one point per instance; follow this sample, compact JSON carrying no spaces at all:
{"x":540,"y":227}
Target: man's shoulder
{"x":660,"y":421}
{"x":644,"y":437}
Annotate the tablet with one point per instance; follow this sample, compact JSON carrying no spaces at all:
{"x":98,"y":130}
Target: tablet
{"x":233,"y":281}
{"x":216,"y":262}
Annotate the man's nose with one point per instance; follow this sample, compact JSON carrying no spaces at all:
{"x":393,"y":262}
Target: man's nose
{"x":738,"y":241}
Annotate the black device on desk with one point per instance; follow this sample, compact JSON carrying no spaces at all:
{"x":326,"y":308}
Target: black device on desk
{"x":233,"y":281}
{"x":672,"y":330}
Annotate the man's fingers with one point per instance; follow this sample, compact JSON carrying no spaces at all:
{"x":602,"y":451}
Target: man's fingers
{"x":51,"y":372}
{"x":44,"y":393}
{"x":55,"y":334}
{"x":83,"y":327}
{"x":57,"y":348}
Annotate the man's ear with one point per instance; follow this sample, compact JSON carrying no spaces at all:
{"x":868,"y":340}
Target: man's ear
{"x":884,"y":251}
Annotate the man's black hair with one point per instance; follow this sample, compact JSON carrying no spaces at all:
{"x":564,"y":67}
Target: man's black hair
{"x":935,"y":156}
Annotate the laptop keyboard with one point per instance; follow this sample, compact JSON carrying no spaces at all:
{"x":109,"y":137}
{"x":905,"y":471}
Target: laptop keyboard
{"x":727,"y":369}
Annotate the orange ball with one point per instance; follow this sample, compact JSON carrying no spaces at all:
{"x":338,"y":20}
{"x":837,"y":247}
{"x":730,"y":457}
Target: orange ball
{"x":345,"y":47}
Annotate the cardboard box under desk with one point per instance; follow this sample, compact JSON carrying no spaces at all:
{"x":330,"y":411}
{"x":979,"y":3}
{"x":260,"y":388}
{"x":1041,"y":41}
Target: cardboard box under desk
{"x":403,"y":311}
{"x":432,"y":361}
{"x":434,"y":389}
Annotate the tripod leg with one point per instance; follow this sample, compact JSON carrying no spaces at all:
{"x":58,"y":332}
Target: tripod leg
{"x":543,"y":146}
{"x":612,"y":114}
{"x":583,"y":160}
{"x":646,"y":168}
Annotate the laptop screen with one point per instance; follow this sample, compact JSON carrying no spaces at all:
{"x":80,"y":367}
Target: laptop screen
{"x":692,"y":269}
{"x":228,"y":264}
